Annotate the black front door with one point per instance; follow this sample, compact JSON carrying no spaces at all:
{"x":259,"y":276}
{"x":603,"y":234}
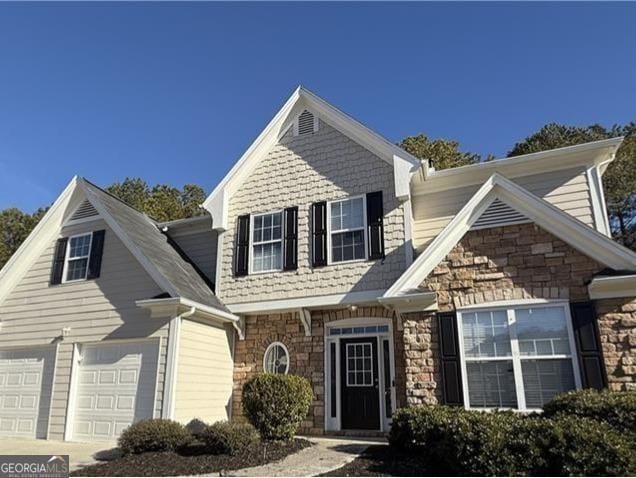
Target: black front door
{"x":359,"y":384}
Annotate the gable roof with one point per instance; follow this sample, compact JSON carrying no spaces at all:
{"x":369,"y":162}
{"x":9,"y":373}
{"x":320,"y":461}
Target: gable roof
{"x":580,"y":236}
{"x":404,"y":164}
{"x":140,"y":234}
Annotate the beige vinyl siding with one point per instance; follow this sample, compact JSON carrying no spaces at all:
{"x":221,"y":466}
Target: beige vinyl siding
{"x":204,"y":372}
{"x":34,"y":313}
{"x":567,"y":189}
{"x":200,"y":247}
{"x":299,"y":171}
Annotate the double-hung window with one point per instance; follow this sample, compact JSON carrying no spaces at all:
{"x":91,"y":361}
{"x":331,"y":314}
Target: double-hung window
{"x":267,"y":242}
{"x":517,"y":357}
{"x":77,"y":255}
{"x":347,"y":230}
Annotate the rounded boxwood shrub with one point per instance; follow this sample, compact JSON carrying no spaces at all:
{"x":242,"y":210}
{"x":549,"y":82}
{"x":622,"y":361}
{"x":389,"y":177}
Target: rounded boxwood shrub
{"x":196,"y":427}
{"x":617,"y":409}
{"x":153,"y":435}
{"x":224,"y":438}
{"x":277,"y":404}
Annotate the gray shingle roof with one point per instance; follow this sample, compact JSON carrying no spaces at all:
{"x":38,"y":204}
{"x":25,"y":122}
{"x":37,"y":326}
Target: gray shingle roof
{"x":156,"y":247}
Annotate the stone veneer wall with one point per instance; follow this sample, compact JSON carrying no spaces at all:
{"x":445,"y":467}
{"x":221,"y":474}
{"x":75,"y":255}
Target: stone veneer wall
{"x":503,"y":263}
{"x":617,"y":330}
{"x":306,"y":354}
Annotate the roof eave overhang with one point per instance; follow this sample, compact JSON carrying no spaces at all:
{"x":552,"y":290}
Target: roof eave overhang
{"x":176,"y":306}
{"x":412,"y":302}
{"x":594,"y":154}
{"x":404,"y":164}
{"x":611,"y":287}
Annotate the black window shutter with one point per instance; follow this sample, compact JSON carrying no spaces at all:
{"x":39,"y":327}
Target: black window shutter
{"x":58,"y":261}
{"x":95,"y":261}
{"x":588,"y":345}
{"x":449,"y":353}
{"x":319,"y":234}
{"x":242,"y":248}
{"x":290,"y":241}
{"x":375,"y":215}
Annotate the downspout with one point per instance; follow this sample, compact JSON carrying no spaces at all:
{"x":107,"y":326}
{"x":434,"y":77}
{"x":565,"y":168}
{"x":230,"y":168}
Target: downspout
{"x":174,"y":337}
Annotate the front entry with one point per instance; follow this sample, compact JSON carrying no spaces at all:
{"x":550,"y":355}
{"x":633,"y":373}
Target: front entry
{"x":360,"y":383}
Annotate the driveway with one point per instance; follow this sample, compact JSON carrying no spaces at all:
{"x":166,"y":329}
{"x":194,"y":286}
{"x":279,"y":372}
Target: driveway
{"x":81,"y":454}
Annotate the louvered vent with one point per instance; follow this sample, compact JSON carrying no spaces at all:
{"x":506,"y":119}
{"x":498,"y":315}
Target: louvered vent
{"x":499,"y":214}
{"x":306,"y":121}
{"x":84,"y":210}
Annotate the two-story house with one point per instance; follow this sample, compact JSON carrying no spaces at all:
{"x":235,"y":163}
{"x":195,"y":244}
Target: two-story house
{"x":328,"y":252}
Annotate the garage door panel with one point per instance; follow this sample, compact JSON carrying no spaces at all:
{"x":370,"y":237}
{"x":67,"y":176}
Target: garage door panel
{"x":26,"y":378}
{"x":116,"y":388}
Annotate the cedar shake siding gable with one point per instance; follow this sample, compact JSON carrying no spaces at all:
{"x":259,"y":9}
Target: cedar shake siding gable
{"x":298,"y":172}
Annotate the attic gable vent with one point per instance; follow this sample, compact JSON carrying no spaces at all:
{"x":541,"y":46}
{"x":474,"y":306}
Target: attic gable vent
{"x":84,"y":211}
{"x":499,"y":214}
{"x":306,"y":123}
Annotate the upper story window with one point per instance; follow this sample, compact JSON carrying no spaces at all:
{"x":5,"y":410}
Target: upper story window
{"x":77,"y":256}
{"x":347,"y":235}
{"x":516,"y":357}
{"x":267,"y":242}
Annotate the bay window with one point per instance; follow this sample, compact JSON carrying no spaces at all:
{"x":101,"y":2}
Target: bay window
{"x":516,"y":357}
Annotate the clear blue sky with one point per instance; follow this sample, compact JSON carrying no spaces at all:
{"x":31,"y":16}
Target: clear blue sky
{"x":174,"y":93}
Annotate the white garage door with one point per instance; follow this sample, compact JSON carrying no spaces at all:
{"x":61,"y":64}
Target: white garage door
{"x":26,"y":377}
{"x":115,"y":387}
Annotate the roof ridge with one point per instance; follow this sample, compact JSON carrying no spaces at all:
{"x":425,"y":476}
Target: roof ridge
{"x":153,"y":220}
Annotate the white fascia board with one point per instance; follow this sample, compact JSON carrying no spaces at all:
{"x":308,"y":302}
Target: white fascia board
{"x":580,"y":236}
{"x":582,"y":155}
{"x":610,"y":287}
{"x":148,"y":266}
{"x":404,"y":164}
{"x":333,"y":300}
{"x":37,"y":241}
{"x":216,"y":202}
{"x":599,"y":211}
{"x":178,"y":305}
{"x":414,"y":302}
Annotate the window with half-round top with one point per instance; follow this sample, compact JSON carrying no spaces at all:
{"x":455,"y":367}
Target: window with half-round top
{"x":276,"y":359}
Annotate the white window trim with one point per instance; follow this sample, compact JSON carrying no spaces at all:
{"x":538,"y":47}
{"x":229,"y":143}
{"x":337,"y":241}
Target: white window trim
{"x":251,"y":270}
{"x":270,"y":347}
{"x":515,"y":357}
{"x":364,"y":229}
{"x":67,"y":257}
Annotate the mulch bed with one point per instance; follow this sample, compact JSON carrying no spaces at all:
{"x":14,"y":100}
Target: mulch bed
{"x":193,"y":461}
{"x":382,"y":460}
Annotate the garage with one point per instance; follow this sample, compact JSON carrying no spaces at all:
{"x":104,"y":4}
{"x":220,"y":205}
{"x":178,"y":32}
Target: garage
{"x":26,"y":379}
{"x":115,"y":387}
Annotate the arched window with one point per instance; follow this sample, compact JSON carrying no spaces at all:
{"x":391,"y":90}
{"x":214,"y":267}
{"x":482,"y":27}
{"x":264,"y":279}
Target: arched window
{"x":276,"y":359}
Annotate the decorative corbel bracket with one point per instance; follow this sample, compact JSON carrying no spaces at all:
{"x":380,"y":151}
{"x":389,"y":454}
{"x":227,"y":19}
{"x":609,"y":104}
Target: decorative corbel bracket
{"x":240,"y":328}
{"x":305,"y":319}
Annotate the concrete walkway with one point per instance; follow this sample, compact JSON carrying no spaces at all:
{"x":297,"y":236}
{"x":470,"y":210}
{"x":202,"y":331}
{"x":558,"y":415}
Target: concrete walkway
{"x":80,"y":454}
{"x":325,"y":455}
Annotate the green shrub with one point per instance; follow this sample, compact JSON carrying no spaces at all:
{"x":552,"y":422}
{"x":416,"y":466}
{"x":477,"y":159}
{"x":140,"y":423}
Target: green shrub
{"x":223,"y":438}
{"x":277,"y":404}
{"x":153,"y":435}
{"x":462,"y":442}
{"x":196,"y":427}
{"x":586,"y":447}
{"x":617,"y":409}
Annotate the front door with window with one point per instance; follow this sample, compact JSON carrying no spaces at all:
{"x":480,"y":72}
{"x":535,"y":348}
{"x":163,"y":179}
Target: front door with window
{"x":360,"y":384}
